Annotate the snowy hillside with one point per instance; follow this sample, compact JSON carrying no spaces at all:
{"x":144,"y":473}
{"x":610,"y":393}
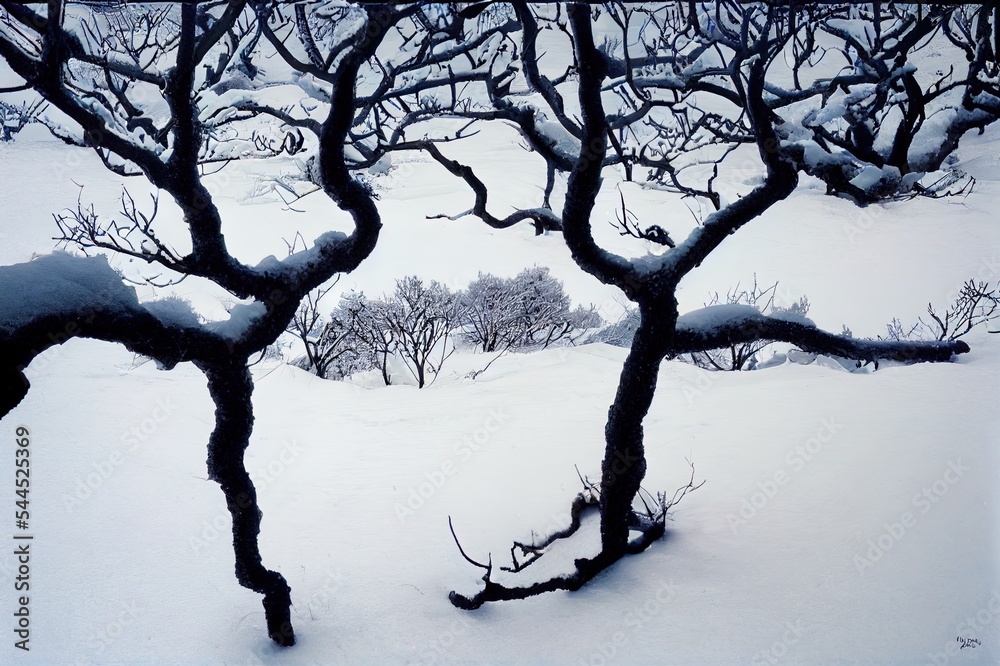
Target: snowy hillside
{"x":846,"y":518}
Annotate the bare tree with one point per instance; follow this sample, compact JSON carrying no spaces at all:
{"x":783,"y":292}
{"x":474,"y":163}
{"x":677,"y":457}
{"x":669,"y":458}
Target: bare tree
{"x":530,"y":310}
{"x":108,"y":77}
{"x":423,"y":318}
{"x":330,"y":345}
{"x":977,"y":303}
{"x":15,"y":117}
{"x":368,"y":323}
{"x":688,"y":54}
{"x":375,"y":79}
{"x":881,"y":124}
{"x":542,"y":308}
{"x":413,"y":324}
{"x":488,"y":313}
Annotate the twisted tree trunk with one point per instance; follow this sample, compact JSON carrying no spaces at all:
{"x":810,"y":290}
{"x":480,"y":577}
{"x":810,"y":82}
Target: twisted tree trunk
{"x":624,"y":464}
{"x":231,"y":387}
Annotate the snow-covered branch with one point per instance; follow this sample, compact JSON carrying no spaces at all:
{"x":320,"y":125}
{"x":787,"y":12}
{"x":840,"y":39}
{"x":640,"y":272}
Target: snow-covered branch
{"x":725,"y":325}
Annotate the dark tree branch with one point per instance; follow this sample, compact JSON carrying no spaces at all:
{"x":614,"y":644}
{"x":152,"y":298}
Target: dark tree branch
{"x":113,"y":315}
{"x":628,"y":225}
{"x":119,"y":317}
{"x":749,"y":325}
{"x":218,"y":29}
{"x":650,"y":523}
{"x":544,"y":219}
{"x":344,"y":255}
{"x":585,"y":179}
{"x":536,"y":80}
{"x":588,"y":499}
{"x":780,"y":182}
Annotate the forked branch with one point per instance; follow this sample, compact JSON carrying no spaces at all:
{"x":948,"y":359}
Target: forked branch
{"x":132,"y":235}
{"x":628,"y":225}
{"x":649,"y":522}
{"x":543,"y":218}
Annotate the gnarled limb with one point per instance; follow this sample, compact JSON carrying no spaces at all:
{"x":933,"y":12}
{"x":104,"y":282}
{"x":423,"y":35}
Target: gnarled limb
{"x":746,"y":324}
{"x":62,"y":297}
{"x":650,"y":523}
{"x":624,"y":464}
{"x":585,"y":180}
{"x":231,"y":386}
{"x":544,"y":219}
{"x":93,"y":303}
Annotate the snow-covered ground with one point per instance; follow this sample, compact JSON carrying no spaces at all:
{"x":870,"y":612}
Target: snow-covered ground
{"x":846,"y":518}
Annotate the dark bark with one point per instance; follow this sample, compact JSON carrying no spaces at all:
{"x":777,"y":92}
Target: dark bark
{"x":624,"y":464}
{"x":231,"y":387}
{"x":334,"y":176}
{"x":780,"y":181}
{"x":544,"y":219}
{"x":13,"y":387}
{"x":535,"y":78}
{"x":584,"y":181}
{"x":496,"y":592}
{"x":136,"y":329}
{"x":809,"y":338}
{"x":652,"y":284}
{"x":222,"y":359}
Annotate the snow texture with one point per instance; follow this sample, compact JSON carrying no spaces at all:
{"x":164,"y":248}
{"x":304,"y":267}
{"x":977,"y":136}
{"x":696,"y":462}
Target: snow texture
{"x":241,"y":318}
{"x":713,"y":317}
{"x":173,"y":311}
{"x":62,"y":285}
{"x":847,"y":518}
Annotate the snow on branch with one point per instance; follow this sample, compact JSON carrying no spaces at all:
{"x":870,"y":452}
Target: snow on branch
{"x":58,"y":284}
{"x":60,"y":296}
{"x":725,"y":325}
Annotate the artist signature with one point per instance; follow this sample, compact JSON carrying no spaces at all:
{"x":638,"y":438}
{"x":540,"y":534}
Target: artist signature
{"x":967,"y":642}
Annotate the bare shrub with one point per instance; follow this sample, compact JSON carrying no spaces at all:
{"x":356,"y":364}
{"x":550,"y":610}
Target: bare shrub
{"x":528,"y":311}
{"x":414,"y":324}
{"x":15,"y":117}
{"x":976,"y":303}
